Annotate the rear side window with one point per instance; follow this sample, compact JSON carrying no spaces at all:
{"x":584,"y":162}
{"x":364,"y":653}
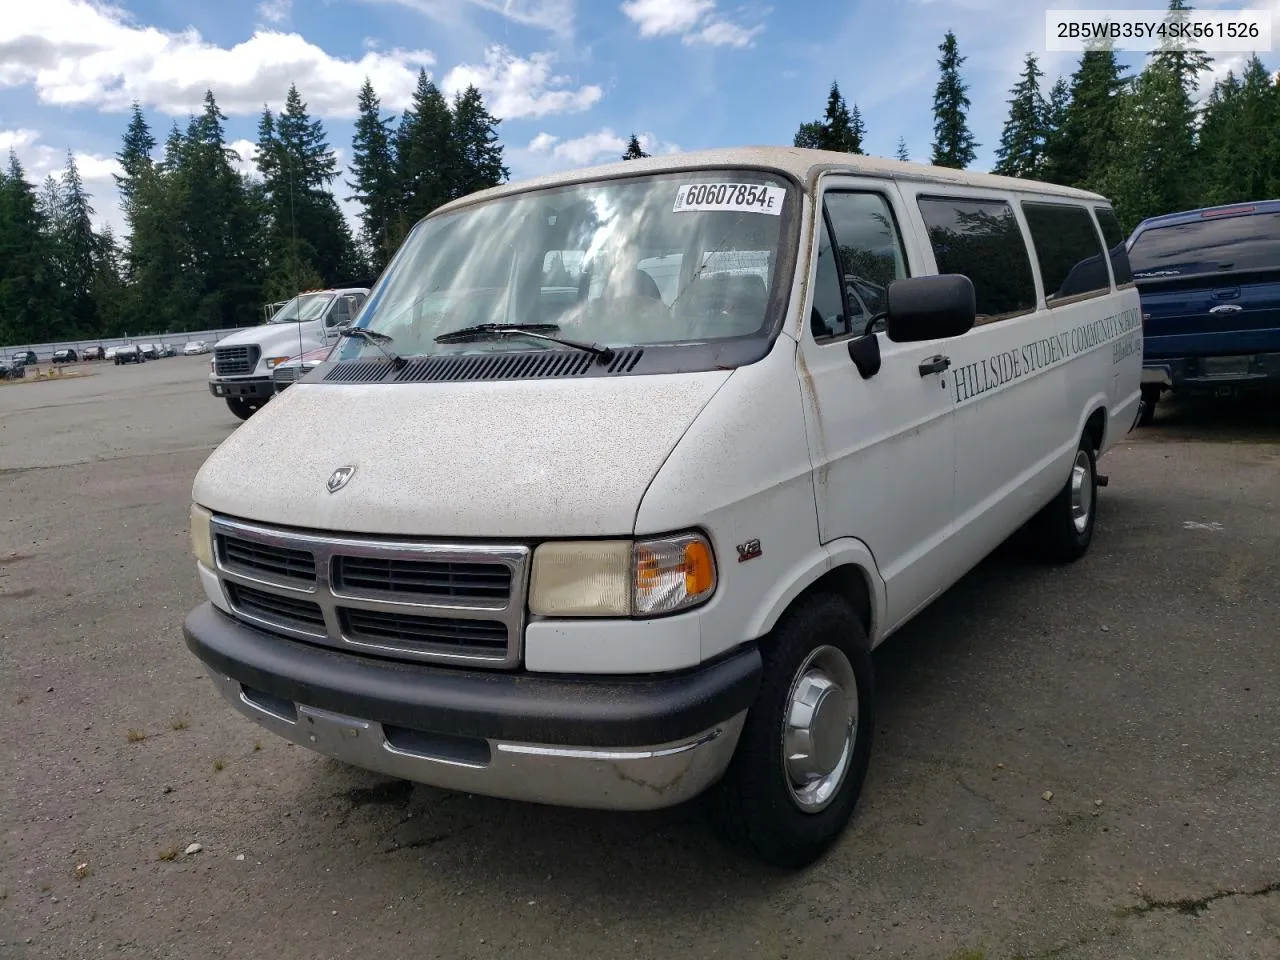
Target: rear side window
{"x":981,"y":239}
{"x":1114,"y":238}
{"x":1068,"y":250}
{"x":1208,"y":245}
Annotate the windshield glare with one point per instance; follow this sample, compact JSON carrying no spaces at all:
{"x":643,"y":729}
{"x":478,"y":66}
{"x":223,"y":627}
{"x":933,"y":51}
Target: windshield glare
{"x":308,"y":306}
{"x":671,"y":259}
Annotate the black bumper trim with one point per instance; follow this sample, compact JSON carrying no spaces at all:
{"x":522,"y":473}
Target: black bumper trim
{"x":259,"y":389}
{"x":611,"y":711}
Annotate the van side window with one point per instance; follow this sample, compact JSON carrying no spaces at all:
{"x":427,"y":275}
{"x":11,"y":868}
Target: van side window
{"x":981,"y":239}
{"x":1068,"y":250}
{"x":827,"y":317}
{"x":870,"y":251}
{"x":1114,"y":238}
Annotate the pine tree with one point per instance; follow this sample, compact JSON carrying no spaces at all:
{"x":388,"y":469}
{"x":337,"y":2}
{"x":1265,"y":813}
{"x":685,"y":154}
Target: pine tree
{"x":840,"y":129}
{"x":1236,"y":149}
{"x":135,"y":159}
{"x":373,"y":170}
{"x":79,"y":246}
{"x":424,"y":155}
{"x":634,"y":150}
{"x":901,"y":152}
{"x":1055,"y":118}
{"x":1089,"y":138}
{"x":953,"y":144}
{"x":28,"y":289}
{"x":478,"y":154}
{"x":1021,"y":148}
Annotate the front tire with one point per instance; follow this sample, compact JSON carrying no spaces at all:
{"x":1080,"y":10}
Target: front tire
{"x":244,"y":409}
{"x":1063,"y":530}
{"x":802,"y":757}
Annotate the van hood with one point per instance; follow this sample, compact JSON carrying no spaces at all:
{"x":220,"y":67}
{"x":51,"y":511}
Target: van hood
{"x":522,"y":459}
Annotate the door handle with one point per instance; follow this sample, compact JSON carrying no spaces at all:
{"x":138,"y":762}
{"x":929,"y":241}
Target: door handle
{"x":1226,"y":308}
{"x":934,"y":365}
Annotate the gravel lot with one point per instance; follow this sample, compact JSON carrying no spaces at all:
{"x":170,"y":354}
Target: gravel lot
{"x":1138,"y":686}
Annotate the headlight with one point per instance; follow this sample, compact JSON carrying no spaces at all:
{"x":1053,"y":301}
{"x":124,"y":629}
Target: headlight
{"x":621,"y":578}
{"x":201,"y":535}
{"x":272,"y":361}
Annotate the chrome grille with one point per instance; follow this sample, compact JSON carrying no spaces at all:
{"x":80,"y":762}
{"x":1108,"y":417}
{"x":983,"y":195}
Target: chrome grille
{"x":285,"y":374}
{"x":235,"y":361}
{"x":422,"y":577}
{"x":378,"y":596}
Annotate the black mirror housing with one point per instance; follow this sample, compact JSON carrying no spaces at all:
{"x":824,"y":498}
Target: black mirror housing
{"x":930,"y":308}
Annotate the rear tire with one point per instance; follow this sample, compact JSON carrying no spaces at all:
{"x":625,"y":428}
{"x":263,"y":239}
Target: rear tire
{"x":797,"y":773}
{"x":1150,"y":397}
{"x":1062,"y":531}
{"x":244,"y":409}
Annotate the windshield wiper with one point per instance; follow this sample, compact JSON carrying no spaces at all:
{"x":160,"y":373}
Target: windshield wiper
{"x":539,"y":331}
{"x":377,"y":339}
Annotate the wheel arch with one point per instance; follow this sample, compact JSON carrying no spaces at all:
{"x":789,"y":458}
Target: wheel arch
{"x":846,"y":567}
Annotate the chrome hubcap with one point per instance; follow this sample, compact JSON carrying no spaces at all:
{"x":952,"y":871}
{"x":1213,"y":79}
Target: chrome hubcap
{"x":1081,"y":492}
{"x":819,"y":728}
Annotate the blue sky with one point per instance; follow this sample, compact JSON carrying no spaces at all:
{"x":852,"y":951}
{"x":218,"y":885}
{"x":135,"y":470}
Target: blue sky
{"x":570,"y":78}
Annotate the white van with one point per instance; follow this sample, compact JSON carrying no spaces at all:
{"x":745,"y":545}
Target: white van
{"x":240,"y":371}
{"x":619,"y":548}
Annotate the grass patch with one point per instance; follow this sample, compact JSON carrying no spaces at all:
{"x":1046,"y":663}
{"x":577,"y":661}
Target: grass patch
{"x":970,"y":954}
{"x":257,"y":745}
{"x":168,"y":853}
{"x":135,"y":736}
{"x":178,"y":723}
{"x":219,"y":764}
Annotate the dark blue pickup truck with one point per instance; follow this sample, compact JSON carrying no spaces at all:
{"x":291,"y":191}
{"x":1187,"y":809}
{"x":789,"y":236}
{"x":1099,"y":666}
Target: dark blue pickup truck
{"x":1209,"y":281}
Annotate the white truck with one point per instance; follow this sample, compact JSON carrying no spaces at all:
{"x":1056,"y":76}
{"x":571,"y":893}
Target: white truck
{"x":553,"y":528}
{"x":240,"y":371}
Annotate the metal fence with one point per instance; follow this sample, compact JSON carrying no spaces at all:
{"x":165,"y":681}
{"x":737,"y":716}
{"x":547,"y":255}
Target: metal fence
{"x":45,"y":351}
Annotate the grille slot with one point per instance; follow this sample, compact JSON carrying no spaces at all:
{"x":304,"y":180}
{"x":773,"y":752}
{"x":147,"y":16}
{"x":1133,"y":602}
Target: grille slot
{"x":289,"y":612}
{"x":546,"y":364}
{"x":357,"y":371}
{"x":481,"y":637}
{"x":235,"y":361}
{"x":282,"y":562}
{"x":439,"y":578}
{"x":285,"y":374}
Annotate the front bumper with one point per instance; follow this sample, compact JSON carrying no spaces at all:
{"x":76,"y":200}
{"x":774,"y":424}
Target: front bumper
{"x":260,"y":388}
{"x":610,"y":743}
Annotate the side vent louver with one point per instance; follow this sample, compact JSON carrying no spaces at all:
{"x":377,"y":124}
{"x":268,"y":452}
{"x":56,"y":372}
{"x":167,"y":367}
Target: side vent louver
{"x":357,"y":371}
{"x":547,"y":364}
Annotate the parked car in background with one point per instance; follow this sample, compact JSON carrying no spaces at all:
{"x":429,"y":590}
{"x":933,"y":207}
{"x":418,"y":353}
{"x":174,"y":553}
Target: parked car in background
{"x":148,"y":350}
{"x":194,"y":348}
{"x":1209,"y":280}
{"x":110,"y":353}
{"x":65,"y":355}
{"x":26,"y":357}
{"x":294,"y":369}
{"x":93,"y":353}
{"x":243,"y":361}
{"x":12,"y":371}
{"x":130,"y":353}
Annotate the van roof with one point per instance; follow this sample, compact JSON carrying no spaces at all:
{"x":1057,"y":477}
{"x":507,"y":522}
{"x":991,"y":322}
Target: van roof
{"x":801,"y":163}
{"x":1206,"y":213}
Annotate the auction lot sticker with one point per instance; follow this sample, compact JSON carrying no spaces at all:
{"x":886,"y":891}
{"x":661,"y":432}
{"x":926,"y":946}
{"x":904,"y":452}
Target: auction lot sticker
{"x":748,"y":197}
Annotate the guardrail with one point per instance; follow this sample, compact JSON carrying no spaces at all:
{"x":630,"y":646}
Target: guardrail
{"x":45,"y":351}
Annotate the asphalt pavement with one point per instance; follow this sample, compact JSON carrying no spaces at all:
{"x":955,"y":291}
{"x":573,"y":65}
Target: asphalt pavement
{"x":1071,"y":763}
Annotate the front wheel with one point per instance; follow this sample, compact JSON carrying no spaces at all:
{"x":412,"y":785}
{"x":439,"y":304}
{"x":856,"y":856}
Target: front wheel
{"x":244,"y":409}
{"x":802,"y":757}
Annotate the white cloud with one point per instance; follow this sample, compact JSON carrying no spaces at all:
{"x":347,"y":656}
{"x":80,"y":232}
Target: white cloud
{"x":40,"y":159}
{"x":515,"y":87}
{"x":695,"y":21}
{"x":554,"y":16}
{"x":92,"y":54}
{"x":601,"y":145}
{"x":246,"y":150}
{"x":275,"y":11}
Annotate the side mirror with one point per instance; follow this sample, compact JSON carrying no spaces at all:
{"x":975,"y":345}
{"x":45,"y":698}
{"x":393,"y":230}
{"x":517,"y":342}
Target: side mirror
{"x":930,"y":308}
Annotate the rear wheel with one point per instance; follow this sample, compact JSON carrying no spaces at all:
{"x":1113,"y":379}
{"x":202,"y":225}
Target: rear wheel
{"x":801,"y":760}
{"x":1063,"y":530}
{"x":244,"y":409}
{"x":1150,"y":397}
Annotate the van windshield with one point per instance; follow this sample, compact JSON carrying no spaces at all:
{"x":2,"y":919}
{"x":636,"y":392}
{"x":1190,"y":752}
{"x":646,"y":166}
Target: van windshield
{"x":1248,"y":242}
{"x":307,"y":306}
{"x":662,"y":259}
